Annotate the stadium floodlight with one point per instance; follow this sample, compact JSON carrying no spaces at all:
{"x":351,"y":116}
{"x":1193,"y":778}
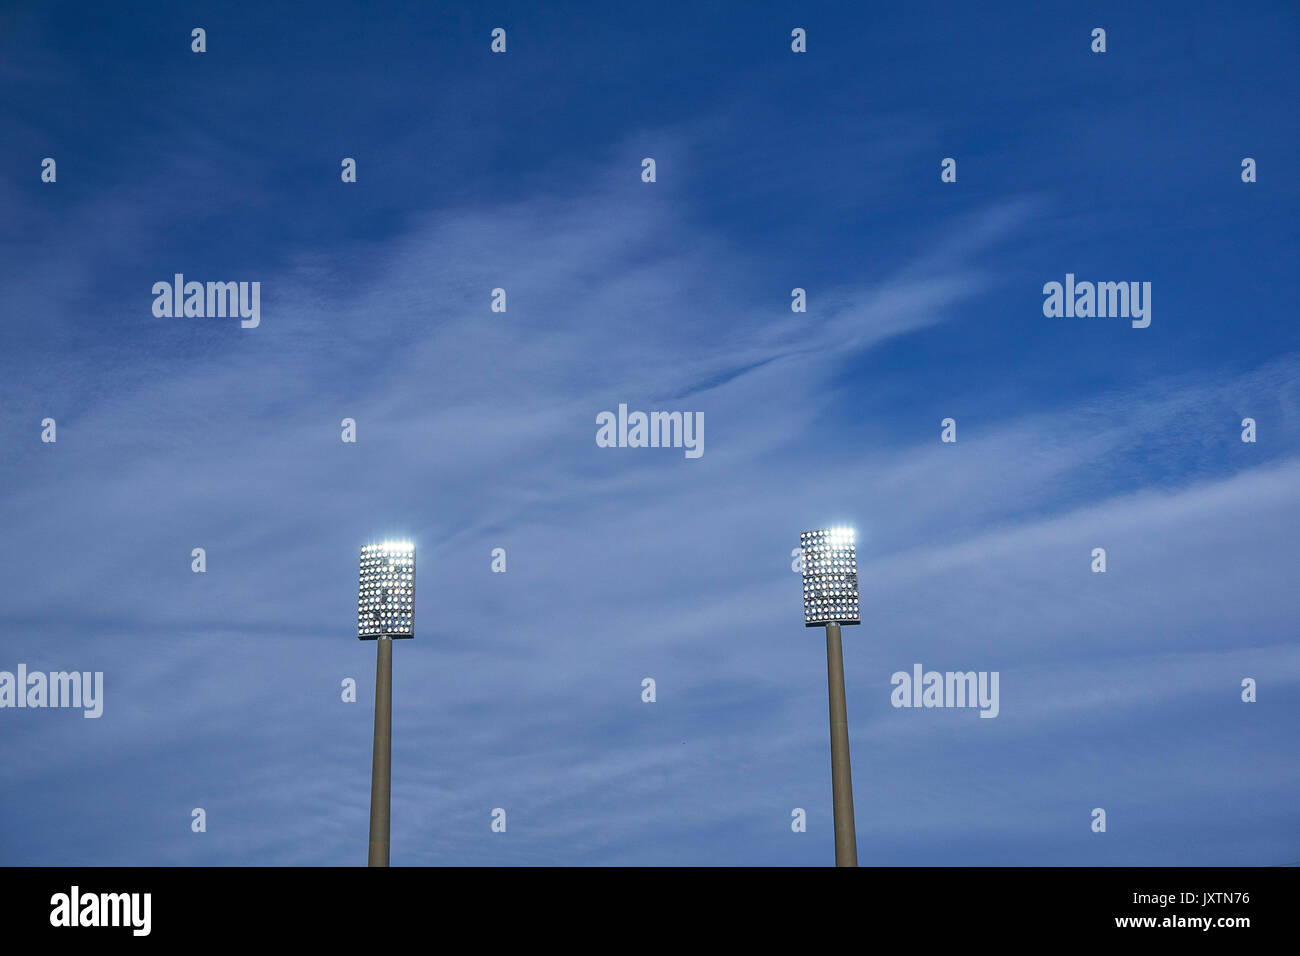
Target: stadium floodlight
{"x":830,"y":577}
{"x":386,"y":591}
{"x":385,"y":611}
{"x":830,"y":598}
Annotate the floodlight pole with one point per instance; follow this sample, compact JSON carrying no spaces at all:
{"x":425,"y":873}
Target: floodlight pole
{"x":846,"y":840}
{"x":381,"y":769}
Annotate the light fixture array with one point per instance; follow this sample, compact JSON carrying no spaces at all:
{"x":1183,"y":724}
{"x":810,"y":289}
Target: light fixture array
{"x":386,"y":591}
{"x":830,"y":577}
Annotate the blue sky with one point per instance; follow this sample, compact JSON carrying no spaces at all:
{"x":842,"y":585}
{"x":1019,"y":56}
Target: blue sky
{"x":476,"y":430}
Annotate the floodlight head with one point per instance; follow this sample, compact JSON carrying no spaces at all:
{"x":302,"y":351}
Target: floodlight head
{"x":386,"y":591}
{"x":830,"y":577}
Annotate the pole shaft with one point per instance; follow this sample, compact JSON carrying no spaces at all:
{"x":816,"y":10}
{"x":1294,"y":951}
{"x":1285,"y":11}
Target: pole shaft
{"x":381,"y":769}
{"x":846,"y":840}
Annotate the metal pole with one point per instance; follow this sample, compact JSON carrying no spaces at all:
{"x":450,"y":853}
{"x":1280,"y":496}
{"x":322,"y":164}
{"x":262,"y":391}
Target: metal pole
{"x":381,"y":769}
{"x":846,"y":840}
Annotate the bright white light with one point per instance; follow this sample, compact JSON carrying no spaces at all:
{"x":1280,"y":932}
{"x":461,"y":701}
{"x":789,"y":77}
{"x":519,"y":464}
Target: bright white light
{"x":386,"y":589}
{"x":830,"y":576}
